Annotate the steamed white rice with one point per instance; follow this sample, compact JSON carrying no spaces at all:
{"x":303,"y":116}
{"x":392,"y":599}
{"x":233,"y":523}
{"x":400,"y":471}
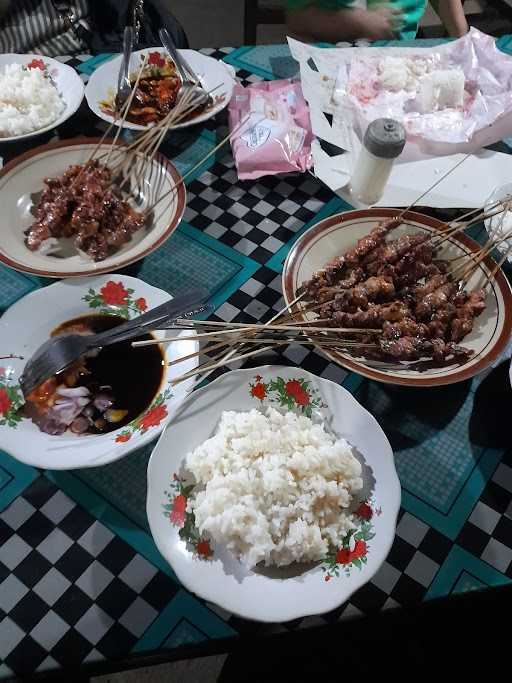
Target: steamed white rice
{"x":28,"y":101}
{"x":274,"y":488}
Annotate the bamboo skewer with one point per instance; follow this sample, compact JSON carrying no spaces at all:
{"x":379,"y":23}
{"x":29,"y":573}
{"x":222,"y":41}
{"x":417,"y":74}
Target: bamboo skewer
{"x":127,"y":108}
{"x":292,"y":327}
{"x":434,"y":185}
{"x":490,"y":277}
{"x":339,"y":344}
{"x":479,"y":256}
{"x":236,"y":334}
{"x":208,"y":368}
{"x":199,"y":163}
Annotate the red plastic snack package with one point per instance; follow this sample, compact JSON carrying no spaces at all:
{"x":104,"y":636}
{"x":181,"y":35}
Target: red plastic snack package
{"x":277,"y":136}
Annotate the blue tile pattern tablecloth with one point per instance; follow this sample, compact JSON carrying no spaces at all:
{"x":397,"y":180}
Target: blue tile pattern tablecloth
{"x":80,"y":577}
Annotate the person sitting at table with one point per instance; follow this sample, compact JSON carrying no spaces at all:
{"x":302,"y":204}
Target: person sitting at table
{"x":52,"y":28}
{"x":333,"y":21}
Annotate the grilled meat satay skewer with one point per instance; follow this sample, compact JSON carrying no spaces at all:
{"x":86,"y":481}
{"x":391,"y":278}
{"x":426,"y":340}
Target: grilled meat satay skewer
{"x":351,"y":258}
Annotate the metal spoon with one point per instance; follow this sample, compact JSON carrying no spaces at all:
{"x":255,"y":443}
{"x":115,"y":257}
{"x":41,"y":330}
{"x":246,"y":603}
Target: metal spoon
{"x":200,"y":95}
{"x":57,"y":353}
{"x":124,"y":86}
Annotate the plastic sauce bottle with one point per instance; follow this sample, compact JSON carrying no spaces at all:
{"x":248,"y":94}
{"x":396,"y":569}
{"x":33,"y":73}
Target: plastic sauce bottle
{"x":383,"y":142}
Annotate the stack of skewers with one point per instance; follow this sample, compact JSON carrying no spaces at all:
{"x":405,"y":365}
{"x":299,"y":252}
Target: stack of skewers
{"x":400,"y":301}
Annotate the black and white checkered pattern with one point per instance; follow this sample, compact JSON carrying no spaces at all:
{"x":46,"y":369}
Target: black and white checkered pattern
{"x":70,"y":589}
{"x":403,"y":579}
{"x":255,"y":218}
{"x":487,"y":532}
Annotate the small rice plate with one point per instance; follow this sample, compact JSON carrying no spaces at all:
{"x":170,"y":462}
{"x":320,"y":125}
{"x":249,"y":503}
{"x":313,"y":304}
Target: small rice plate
{"x":29,"y":101}
{"x":274,"y":488}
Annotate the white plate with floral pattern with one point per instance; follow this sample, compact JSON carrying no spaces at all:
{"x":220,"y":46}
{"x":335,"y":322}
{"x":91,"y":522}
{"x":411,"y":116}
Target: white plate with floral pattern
{"x":30,"y":321}
{"x":68,"y":83}
{"x":213,"y":573}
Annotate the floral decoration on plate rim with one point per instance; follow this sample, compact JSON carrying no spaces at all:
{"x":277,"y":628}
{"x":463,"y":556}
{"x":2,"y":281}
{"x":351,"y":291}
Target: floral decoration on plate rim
{"x":292,"y":394}
{"x":115,"y":298}
{"x":11,"y":400}
{"x":151,"y":418}
{"x":176,"y":510}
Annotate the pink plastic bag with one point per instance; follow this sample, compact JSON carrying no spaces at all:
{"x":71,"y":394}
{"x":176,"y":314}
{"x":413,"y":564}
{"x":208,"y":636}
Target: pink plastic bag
{"x":277,"y":136}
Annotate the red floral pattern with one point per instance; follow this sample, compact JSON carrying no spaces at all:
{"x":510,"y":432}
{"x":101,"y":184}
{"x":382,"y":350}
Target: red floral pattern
{"x":156,"y":59}
{"x":302,"y":399}
{"x":5,"y":402}
{"x":153,"y":417}
{"x":291,"y":394}
{"x":204,"y":549}
{"x":258,"y":391}
{"x":141,"y":304}
{"x":179,"y":507}
{"x":114,"y":294}
{"x":354,"y":549}
{"x":346,"y":556}
{"x":179,"y":516}
{"x":293,"y":387}
{"x":37,"y":64}
{"x":364,"y":511}
{"x":123,"y":437}
{"x":11,"y":400}
{"x":119,"y":295}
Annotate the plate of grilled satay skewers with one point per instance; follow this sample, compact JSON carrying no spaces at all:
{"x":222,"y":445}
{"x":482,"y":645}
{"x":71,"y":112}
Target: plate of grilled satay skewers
{"x":89,"y":206}
{"x":396,"y":296}
{"x":412,"y":300}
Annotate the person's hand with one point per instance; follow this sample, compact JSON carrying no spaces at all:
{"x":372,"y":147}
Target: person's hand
{"x":383,"y":23}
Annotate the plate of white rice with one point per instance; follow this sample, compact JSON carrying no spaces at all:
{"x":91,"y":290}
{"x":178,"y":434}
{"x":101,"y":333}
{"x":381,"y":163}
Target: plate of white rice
{"x":273,"y":493}
{"x":37,"y":94}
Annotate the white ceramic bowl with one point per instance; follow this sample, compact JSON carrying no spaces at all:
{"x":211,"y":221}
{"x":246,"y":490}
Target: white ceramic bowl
{"x":336,"y":234}
{"x":211,"y":72}
{"x":273,"y":595}
{"x":68,"y":82}
{"x":21,"y":181}
{"x":29,"y":322}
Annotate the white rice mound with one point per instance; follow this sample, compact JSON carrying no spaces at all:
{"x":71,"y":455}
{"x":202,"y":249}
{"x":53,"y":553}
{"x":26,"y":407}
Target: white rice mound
{"x":274,"y":488}
{"x":29,"y":101}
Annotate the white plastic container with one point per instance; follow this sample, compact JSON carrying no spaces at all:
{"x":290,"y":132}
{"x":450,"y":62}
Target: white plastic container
{"x":383,"y":142}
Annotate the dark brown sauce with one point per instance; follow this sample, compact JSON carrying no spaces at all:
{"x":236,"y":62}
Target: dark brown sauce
{"x":135,"y":375}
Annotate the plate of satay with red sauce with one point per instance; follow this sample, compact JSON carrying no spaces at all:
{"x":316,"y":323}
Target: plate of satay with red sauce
{"x":158,"y":88}
{"x":414,"y":301}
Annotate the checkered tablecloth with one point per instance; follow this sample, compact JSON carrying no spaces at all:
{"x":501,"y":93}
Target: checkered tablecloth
{"x":80,"y":577}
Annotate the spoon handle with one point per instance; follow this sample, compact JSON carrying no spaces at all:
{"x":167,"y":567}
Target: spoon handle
{"x":169,"y":310}
{"x":169,"y":46}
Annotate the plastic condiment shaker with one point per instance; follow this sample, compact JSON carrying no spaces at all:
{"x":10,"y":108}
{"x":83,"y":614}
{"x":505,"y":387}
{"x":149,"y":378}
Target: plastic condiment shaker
{"x":383,"y":142}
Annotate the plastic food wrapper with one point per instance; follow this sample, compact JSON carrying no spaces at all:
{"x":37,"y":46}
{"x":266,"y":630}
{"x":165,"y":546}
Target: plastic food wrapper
{"x":277,"y":135}
{"x":336,"y":121}
{"x":446,"y":96}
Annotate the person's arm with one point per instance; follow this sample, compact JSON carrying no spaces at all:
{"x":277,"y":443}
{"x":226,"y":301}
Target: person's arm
{"x":452,"y":15}
{"x":333,"y":26}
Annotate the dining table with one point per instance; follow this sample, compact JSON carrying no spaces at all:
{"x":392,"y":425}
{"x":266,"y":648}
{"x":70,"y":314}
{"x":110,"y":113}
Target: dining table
{"x":82,"y":584}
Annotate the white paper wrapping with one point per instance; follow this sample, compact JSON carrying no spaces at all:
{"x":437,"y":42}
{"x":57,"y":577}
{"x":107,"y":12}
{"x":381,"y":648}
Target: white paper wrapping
{"x":325,"y":74}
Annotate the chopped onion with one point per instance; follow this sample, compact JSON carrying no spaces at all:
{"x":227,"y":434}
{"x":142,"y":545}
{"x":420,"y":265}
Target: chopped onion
{"x":80,"y":425}
{"x":103,"y":401}
{"x":72,"y":392}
